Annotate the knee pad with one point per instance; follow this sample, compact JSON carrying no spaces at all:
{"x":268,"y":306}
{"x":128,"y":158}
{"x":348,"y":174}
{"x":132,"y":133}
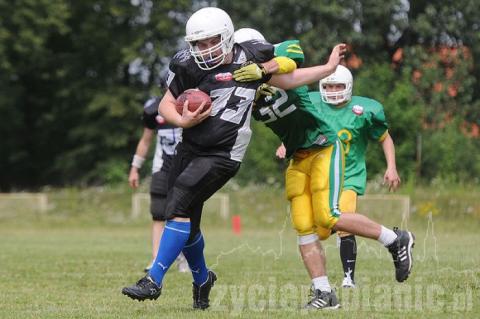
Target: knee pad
{"x":158,"y":205}
{"x":323,"y":233}
{"x":324,"y":217}
{"x":304,"y":228}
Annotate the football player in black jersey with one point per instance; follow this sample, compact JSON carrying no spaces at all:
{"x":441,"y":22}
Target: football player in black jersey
{"x":214,"y":140}
{"x":168,"y":137}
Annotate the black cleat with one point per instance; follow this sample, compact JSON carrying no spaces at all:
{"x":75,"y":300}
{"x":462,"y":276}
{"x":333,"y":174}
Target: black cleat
{"x":145,"y":288}
{"x":201,"y":293}
{"x":401,"y":250}
{"x":323,"y":300}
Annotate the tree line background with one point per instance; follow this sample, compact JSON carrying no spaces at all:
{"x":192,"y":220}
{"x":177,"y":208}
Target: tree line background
{"x":74,"y":76}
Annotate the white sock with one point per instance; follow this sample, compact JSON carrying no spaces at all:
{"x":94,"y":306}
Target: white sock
{"x":321,"y":283}
{"x":387,"y":236}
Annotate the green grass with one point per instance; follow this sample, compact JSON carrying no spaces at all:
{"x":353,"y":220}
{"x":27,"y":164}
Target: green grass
{"x":72,"y":263}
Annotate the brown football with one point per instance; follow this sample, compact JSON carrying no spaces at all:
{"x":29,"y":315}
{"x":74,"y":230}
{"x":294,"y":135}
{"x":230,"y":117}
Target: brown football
{"x":195,"y":98}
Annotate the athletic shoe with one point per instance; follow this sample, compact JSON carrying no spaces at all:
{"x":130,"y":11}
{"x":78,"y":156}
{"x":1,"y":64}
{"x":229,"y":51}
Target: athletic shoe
{"x":323,"y":300}
{"x":145,"y":288}
{"x":202,"y":292}
{"x":401,"y":250}
{"x":348,"y":282}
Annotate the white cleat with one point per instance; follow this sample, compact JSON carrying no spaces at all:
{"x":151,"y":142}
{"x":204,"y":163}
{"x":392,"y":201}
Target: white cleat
{"x":348,"y":283}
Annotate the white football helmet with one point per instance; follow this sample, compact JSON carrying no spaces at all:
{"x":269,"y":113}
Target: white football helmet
{"x":247,"y":34}
{"x":342,"y":75}
{"x":208,"y":23}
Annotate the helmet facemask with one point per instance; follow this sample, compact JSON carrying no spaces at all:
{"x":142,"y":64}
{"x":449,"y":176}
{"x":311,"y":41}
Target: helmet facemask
{"x":336,"y":97}
{"x":341,"y":76}
{"x":206,"y":59}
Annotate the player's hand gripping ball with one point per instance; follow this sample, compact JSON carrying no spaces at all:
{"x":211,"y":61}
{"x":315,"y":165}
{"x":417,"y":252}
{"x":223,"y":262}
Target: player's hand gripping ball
{"x":195,"y":98}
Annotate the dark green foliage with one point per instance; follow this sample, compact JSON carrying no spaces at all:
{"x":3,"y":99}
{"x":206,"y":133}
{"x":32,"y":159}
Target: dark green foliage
{"x":73,"y":76}
{"x":69,"y":102}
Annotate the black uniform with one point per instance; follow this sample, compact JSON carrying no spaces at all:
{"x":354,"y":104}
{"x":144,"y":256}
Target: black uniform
{"x":210,"y":152}
{"x":168,"y":137}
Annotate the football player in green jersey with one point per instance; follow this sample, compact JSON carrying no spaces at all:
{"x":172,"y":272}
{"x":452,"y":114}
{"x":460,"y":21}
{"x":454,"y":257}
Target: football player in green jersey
{"x":356,"y":120}
{"x":314,"y":182}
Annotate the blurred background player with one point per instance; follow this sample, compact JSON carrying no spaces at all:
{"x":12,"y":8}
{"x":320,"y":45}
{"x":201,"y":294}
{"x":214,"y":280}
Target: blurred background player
{"x":167,"y":138}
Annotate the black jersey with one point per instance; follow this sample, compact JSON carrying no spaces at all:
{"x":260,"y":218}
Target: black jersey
{"x":227,"y":131}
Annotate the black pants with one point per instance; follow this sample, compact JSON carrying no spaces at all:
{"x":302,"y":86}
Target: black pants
{"x":159,"y":190}
{"x":192,"y":180}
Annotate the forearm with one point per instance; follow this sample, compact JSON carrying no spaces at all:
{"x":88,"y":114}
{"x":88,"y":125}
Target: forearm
{"x":389,"y":151}
{"x":167,"y":109}
{"x":305,"y":76}
{"x":143,"y":146}
{"x":302,"y":76}
{"x":142,"y":149}
{"x":279,"y":65}
{"x":270,"y":67}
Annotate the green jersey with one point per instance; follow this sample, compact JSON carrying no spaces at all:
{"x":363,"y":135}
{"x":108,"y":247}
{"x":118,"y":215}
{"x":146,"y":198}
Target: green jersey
{"x":296,"y":121}
{"x":357,"y":122}
{"x":292,"y":116}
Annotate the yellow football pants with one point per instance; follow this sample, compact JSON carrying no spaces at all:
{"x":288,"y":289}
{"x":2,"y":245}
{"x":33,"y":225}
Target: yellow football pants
{"x":314,"y":181}
{"x":348,"y":204}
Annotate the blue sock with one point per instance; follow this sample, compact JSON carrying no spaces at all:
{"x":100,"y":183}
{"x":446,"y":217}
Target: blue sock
{"x":173,"y":239}
{"x":193,"y":252}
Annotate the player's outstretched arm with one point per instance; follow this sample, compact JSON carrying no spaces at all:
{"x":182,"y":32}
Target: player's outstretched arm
{"x":305,"y":76}
{"x":391,"y":177}
{"x":255,"y":71}
{"x":188,"y":119}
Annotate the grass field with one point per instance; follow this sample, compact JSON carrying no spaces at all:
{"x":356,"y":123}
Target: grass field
{"x":73,"y":261}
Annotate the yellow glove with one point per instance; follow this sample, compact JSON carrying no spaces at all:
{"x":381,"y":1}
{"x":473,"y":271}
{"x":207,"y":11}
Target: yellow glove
{"x":264,"y":95}
{"x":249,"y":72}
{"x":265,"y":90}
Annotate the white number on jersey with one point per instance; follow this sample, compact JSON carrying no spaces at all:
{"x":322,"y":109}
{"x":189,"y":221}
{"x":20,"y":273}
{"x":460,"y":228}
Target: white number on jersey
{"x":223,"y":95}
{"x":274,"y":112}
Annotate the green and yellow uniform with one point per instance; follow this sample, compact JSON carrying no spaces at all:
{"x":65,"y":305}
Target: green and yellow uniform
{"x":356,"y":123}
{"x":315,"y":174}
{"x":359,"y":121}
